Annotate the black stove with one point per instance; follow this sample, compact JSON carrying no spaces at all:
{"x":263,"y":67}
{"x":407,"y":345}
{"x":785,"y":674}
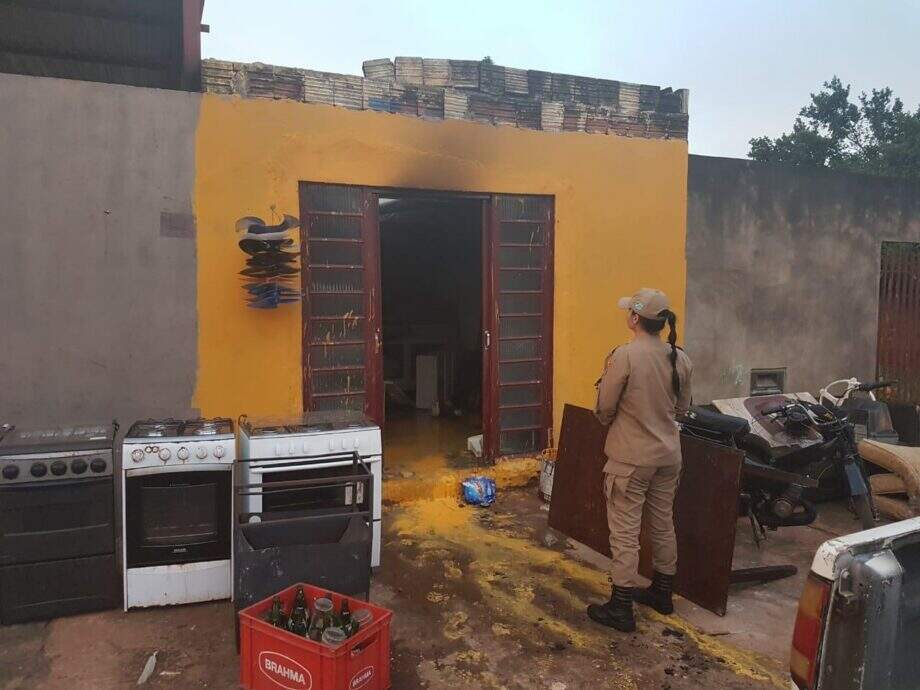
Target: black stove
{"x":40,"y":454}
{"x":57,"y":521}
{"x":25,"y":440}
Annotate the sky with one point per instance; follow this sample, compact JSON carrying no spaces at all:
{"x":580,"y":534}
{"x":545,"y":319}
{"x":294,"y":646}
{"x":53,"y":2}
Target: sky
{"x":750,"y":66}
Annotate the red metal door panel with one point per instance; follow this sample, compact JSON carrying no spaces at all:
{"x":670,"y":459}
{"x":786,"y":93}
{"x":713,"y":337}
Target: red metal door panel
{"x":899,"y":319}
{"x":519,"y":325}
{"x":341,"y":306}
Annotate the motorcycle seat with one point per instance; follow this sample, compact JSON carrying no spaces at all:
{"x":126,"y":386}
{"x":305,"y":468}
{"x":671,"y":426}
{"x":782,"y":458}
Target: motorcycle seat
{"x":718,"y":422}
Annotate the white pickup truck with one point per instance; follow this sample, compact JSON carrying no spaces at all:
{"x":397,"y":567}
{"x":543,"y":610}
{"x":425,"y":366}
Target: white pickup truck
{"x":858,"y":624}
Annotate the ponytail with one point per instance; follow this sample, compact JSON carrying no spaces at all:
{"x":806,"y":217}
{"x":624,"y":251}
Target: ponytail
{"x":654,"y":327}
{"x":671,"y":318}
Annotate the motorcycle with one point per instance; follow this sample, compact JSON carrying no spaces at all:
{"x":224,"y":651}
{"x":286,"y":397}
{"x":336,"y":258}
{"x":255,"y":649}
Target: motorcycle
{"x":819,"y":461}
{"x":771,"y":496}
{"x":834,"y":462}
{"x":869,"y":416}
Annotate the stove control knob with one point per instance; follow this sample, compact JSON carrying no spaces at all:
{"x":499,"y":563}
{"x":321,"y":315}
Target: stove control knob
{"x":219,"y":452}
{"x":165,"y":454}
{"x":10,"y":472}
{"x":182,"y":453}
{"x":58,"y":467}
{"x":201,"y":453}
{"x":137,"y":455}
{"x":79,"y":466}
{"x":97,"y":465}
{"x":39,"y":469}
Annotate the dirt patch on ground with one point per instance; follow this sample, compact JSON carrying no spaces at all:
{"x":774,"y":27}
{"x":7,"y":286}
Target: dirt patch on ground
{"x":490,"y":598}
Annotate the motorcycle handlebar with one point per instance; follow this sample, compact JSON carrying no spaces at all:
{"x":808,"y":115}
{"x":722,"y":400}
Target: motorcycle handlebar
{"x":867,"y":387}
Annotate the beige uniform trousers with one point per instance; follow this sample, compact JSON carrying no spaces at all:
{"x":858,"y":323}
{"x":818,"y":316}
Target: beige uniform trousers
{"x":629,"y":488}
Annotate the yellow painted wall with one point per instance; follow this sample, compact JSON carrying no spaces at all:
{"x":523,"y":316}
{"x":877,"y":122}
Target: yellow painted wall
{"x":620,"y":225}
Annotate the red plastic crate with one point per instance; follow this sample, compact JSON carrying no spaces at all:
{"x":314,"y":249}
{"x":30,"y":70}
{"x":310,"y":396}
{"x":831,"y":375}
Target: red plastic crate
{"x":271,"y":658}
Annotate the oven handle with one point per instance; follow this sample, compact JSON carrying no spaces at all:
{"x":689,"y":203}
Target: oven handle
{"x":245,"y":517}
{"x":166,"y":469}
{"x":321,"y":482}
{"x":274,"y":469}
{"x":56,"y":484}
{"x":278,"y":460}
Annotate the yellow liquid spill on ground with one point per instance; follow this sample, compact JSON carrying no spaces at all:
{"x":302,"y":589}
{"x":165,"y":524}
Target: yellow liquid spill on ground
{"x":418,"y":444}
{"x":509,"y":569}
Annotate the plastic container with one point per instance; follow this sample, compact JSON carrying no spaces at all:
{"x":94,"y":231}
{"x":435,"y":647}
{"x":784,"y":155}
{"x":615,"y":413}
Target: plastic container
{"x":333,"y":637}
{"x":271,"y":658}
{"x":547,"y":470}
{"x":362,"y":617}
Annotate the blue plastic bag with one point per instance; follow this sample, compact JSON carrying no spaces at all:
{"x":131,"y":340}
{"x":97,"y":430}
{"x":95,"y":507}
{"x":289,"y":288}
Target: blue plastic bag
{"x":479,"y":491}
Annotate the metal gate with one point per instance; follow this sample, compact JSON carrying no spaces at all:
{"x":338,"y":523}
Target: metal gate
{"x":899,"y":320}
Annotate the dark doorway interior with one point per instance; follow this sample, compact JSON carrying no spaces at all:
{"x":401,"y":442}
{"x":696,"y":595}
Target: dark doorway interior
{"x":431,"y":278}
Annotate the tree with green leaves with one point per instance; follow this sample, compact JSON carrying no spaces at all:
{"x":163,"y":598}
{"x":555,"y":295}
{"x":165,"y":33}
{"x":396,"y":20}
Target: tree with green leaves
{"x":875,"y":135}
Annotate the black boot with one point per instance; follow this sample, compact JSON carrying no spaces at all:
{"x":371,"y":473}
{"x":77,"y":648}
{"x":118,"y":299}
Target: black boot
{"x":658,"y":596}
{"x":616,"y":613}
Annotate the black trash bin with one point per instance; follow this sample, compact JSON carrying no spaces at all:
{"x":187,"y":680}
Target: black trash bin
{"x":326,"y":547}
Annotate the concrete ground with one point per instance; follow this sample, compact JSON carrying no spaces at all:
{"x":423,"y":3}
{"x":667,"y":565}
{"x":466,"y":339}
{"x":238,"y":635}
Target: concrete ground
{"x":483,"y":598}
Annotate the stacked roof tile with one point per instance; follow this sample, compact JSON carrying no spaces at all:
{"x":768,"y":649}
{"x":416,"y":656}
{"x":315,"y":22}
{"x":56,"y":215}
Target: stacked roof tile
{"x":468,"y":90}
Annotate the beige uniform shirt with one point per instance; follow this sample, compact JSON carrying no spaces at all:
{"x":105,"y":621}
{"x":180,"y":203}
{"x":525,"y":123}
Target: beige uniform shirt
{"x":636,"y":398}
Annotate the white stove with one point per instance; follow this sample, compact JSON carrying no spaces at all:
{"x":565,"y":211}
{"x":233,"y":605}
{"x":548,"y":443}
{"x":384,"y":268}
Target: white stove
{"x":275,"y":448}
{"x":176,"y":514}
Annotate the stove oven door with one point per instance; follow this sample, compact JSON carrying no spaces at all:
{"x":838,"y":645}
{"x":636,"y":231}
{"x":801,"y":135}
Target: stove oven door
{"x":335,"y":497}
{"x":180,"y":515}
{"x":68,"y":518}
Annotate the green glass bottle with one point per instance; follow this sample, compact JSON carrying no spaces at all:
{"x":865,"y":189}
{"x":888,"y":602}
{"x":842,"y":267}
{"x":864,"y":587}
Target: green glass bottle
{"x":300,"y":618}
{"x":346,"y":622}
{"x":322,"y":618}
{"x":276,"y":614}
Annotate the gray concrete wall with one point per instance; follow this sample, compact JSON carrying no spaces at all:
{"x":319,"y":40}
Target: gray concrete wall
{"x":97,"y":261}
{"x":783,"y":271}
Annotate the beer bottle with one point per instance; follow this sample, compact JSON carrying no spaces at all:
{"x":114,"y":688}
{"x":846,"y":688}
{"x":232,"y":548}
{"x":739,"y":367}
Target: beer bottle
{"x":276,"y":614}
{"x":300,"y":599}
{"x":322,"y":618}
{"x":345,"y":619}
{"x":299,"y":617}
{"x":334,"y":620}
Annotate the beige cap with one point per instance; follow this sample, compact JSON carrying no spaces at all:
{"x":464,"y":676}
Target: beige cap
{"x":647,"y":302}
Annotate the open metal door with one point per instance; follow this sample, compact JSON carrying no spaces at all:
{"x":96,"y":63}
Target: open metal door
{"x":899,"y":320}
{"x":518,"y":322}
{"x":342,"y":361}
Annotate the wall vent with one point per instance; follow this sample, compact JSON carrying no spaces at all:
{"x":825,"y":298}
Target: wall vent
{"x":768,"y":381}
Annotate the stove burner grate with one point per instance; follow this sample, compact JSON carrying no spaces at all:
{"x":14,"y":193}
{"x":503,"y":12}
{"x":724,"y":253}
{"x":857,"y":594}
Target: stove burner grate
{"x":309,"y":428}
{"x":270,"y":430}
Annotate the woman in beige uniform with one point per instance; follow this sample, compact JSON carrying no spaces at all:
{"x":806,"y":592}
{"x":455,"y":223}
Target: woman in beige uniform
{"x":645,"y":384}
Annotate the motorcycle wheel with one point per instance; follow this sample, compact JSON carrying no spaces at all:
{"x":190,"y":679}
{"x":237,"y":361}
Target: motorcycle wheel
{"x":864,"y":510}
